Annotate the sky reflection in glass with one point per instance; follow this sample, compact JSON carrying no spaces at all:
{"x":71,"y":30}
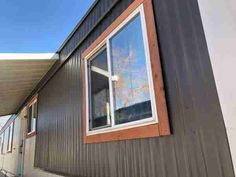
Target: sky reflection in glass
{"x":131,"y":90}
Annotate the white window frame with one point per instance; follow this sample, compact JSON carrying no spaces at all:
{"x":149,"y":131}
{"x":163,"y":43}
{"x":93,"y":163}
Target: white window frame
{"x":106,"y":43}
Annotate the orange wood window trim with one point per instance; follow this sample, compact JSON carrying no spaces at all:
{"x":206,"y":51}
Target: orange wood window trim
{"x":32,"y":101}
{"x":157,"y":129}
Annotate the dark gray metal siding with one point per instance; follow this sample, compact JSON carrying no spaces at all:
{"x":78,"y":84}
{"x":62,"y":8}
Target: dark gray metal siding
{"x":198,"y":146}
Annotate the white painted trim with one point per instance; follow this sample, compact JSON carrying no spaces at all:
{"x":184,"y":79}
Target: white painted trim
{"x":87,"y":95}
{"x":148,"y":65}
{"x":134,"y":124}
{"x":94,"y":53}
{"x":100,"y":71}
{"x":28,"y":56}
{"x":110,"y":84}
{"x":138,"y":123}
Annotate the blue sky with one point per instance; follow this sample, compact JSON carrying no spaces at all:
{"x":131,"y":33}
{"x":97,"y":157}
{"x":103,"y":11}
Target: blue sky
{"x":38,"y":25}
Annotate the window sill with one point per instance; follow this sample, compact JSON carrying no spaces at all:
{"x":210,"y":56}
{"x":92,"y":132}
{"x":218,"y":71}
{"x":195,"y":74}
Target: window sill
{"x":126,"y":134}
{"x":121,"y":127}
{"x":31,"y":134}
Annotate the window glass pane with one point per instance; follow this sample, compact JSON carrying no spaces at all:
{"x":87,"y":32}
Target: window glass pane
{"x":30,"y":111}
{"x":131,"y":86}
{"x":100,"y":60}
{"x":33,"y":125}
{"x":32,"y":117}
{"x":35,"y":109}
{"x":99,"y":91}
{"x":6,"y":135}
{"x":10,"y":137}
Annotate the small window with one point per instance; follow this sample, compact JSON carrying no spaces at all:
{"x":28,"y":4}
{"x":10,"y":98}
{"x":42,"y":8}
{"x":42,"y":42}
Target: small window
{"x":32,"y":117}
{"x":10,"y":130}
{"x":121,"y":67}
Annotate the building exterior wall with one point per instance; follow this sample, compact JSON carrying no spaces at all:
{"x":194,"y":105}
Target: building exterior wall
{"x":29,"y":169}
{"x":219,"y":22}
{"x":10,"y":161}
{"x":198,"y":145}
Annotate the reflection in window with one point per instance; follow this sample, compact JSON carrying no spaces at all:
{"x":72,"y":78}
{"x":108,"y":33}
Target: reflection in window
{"x":131,"y":89}
{"x":32,"y":116}
{"x":99,"y":94}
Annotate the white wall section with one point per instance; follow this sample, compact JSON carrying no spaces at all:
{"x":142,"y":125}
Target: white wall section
{"x":219,"y":23}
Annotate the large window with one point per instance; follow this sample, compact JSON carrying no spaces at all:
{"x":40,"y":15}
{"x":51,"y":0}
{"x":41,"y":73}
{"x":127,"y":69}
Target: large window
{"x":119,"y":85}
{"x":123,"y":62}
{"x":32,"y":117}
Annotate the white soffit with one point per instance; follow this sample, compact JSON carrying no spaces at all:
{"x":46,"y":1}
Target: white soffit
{"x":19,"y":74}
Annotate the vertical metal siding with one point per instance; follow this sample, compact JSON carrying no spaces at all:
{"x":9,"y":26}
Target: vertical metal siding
{"x":87,"y":25}
{"x":198,"y":146}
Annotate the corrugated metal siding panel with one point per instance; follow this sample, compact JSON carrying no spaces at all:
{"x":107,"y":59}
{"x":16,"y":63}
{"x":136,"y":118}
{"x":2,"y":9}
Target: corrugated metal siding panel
{"x":90,"y":28}
{"x":191,"y":90}
{"x":87,"y":25}
{"x":198,"y":146}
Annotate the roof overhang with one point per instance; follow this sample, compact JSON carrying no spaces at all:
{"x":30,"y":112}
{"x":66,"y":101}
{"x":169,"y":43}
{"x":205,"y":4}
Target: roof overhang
{"x":19,"y":74}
